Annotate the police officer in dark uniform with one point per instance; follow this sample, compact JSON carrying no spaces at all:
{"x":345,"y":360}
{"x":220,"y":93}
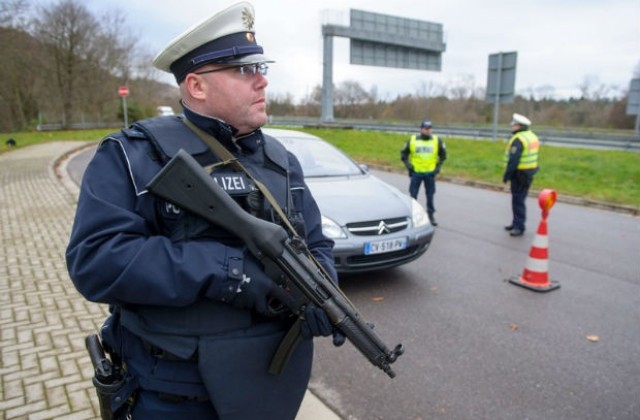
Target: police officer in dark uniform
{"x":188,"y":302}
{"x":423,"y":157}
{"x":521,"y":164}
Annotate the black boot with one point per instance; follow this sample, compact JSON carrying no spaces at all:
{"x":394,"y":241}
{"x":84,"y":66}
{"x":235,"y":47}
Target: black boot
{"x":432,"y":219}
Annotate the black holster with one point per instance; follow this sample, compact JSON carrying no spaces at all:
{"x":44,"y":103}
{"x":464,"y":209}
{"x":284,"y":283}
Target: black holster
{"x":108,"y":378}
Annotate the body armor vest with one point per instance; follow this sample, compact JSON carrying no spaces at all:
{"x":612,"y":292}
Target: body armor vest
{"x":177,"y":330}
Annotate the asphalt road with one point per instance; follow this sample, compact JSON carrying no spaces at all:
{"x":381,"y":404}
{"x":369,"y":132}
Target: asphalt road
{"x":479,"y":347}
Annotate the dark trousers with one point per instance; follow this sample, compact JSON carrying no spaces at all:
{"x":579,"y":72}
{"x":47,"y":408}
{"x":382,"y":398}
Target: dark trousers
{"x":520,"y":184}
{"x":429,"y":180}
{"x":229,"y":380}
{"x":234,"y":372}
{"x":152,"y":405}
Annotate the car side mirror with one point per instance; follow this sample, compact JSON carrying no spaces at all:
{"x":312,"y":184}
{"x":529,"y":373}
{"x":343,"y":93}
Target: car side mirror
{"x":364,"y":167}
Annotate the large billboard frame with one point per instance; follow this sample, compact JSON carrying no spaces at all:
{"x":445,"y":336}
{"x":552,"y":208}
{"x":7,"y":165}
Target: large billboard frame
{"x":382,"y":41}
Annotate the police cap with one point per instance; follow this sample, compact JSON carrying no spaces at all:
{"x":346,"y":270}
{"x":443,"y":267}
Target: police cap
{"x":520,"y":119}
{"x":227,"y":38}
{"x":426,"y":124}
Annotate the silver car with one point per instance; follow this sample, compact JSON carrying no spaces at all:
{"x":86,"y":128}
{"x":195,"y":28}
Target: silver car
{"x":373,"y":224}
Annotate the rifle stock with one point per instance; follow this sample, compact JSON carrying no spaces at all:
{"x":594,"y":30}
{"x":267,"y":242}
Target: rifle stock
{"x":183,"y":182}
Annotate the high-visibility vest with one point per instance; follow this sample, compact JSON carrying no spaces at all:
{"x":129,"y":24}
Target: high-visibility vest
{"x":424,"y":153}
{"x":530,"y":149}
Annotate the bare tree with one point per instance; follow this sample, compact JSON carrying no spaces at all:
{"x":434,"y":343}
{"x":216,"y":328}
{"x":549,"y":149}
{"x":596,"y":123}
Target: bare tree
{"x":430,"y":89}
{"x":16,"y":84}
{"x":539,"y":93}
{"x":311,"y":103}
{"x":350,"y":98}
{"x":280,"y":104}
{"x":350,"y":93}
{"x":112,"y":62}
{"x":68,"y":32}
{"x":12,"y":13}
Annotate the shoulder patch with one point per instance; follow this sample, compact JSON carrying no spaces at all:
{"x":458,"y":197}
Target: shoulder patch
{"x":132,"y":133}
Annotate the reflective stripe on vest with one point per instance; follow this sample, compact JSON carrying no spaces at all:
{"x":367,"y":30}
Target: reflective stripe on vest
{"x":530,"y":149}
{"x":424,"y":154}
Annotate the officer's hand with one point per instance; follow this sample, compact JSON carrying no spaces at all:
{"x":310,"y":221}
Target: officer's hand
{"x":316,"y":324}
{"x":338,"y":337}
{"x":255,"y":288}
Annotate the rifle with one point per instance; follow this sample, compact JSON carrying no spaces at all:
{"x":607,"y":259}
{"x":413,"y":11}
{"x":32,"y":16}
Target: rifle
{"x":183,"y":182}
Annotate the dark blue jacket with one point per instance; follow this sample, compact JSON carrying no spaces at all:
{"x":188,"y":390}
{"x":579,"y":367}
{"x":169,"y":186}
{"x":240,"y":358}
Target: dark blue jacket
{"x":167,"y":278}
{"x":117,"y":254}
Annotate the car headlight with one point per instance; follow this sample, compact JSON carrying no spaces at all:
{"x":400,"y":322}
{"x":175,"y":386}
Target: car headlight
{"x":419,"y":217}
{"x":331,"y":229}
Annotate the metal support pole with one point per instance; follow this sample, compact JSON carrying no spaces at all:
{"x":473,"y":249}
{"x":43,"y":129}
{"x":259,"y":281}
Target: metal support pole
{"x":496,"y":102}
{"x":124,"y":112}
{"x":327,"y":80}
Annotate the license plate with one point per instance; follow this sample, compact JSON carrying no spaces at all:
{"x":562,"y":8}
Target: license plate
{"x":380,"y":247}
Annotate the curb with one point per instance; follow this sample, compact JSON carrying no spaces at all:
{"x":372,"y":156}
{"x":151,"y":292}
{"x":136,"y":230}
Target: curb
{"x":567,"y":199}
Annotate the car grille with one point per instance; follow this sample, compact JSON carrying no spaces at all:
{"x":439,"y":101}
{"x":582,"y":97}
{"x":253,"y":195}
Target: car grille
{"x":378,"y":227}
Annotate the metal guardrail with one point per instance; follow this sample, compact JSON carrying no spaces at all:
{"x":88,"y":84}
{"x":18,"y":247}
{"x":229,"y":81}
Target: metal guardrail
{"x":78,"y":126}
{"x":630,"y":142}
{"x":609,"y":141}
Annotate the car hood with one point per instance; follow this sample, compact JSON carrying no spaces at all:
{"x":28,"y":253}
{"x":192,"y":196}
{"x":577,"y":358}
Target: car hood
{"x":358,"y":198}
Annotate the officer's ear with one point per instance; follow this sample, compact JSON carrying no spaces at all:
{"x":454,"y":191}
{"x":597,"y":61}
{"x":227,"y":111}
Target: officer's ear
{"x":195,"y":85}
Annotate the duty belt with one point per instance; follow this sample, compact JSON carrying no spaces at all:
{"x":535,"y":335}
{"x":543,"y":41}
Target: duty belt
{"x":160,"y":353}
{"x":180,"y":398}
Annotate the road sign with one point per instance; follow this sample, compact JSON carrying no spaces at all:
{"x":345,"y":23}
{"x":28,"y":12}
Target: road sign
{"x":123,"y":91}
{"x":501,"y":77}
{"x":501,"y":80}
{"x":382,"y":41}
{"x":633,"y":102}
{"x":390,"y":41}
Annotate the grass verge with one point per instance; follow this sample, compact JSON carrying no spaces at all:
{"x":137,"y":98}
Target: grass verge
{"x":600,"y":175}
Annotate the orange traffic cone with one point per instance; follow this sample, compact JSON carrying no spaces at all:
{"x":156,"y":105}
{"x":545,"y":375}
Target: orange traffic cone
{"x":535,"y":275}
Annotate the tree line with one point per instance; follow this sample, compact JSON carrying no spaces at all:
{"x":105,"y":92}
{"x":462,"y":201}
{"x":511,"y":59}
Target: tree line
{"x":462,"y":104}
{"x":62,"y":64}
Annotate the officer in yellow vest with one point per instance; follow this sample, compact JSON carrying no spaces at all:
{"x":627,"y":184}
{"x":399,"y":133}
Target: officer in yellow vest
{"x":521,"y":164}
{"x":423,"y":157}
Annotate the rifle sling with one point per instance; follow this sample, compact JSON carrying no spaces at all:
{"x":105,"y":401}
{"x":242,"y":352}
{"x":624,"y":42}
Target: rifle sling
{"x":227,"y":158}
{"x":292,"y":337}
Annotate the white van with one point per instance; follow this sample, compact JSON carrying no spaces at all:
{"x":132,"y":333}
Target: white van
{"x":165,"y":110}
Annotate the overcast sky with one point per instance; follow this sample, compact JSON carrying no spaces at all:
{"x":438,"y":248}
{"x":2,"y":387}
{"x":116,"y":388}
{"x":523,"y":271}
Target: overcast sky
{"x":560,"y":43}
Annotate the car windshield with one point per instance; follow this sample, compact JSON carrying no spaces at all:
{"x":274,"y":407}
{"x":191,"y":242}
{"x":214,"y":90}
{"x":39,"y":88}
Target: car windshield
{"x":318,"y":158}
